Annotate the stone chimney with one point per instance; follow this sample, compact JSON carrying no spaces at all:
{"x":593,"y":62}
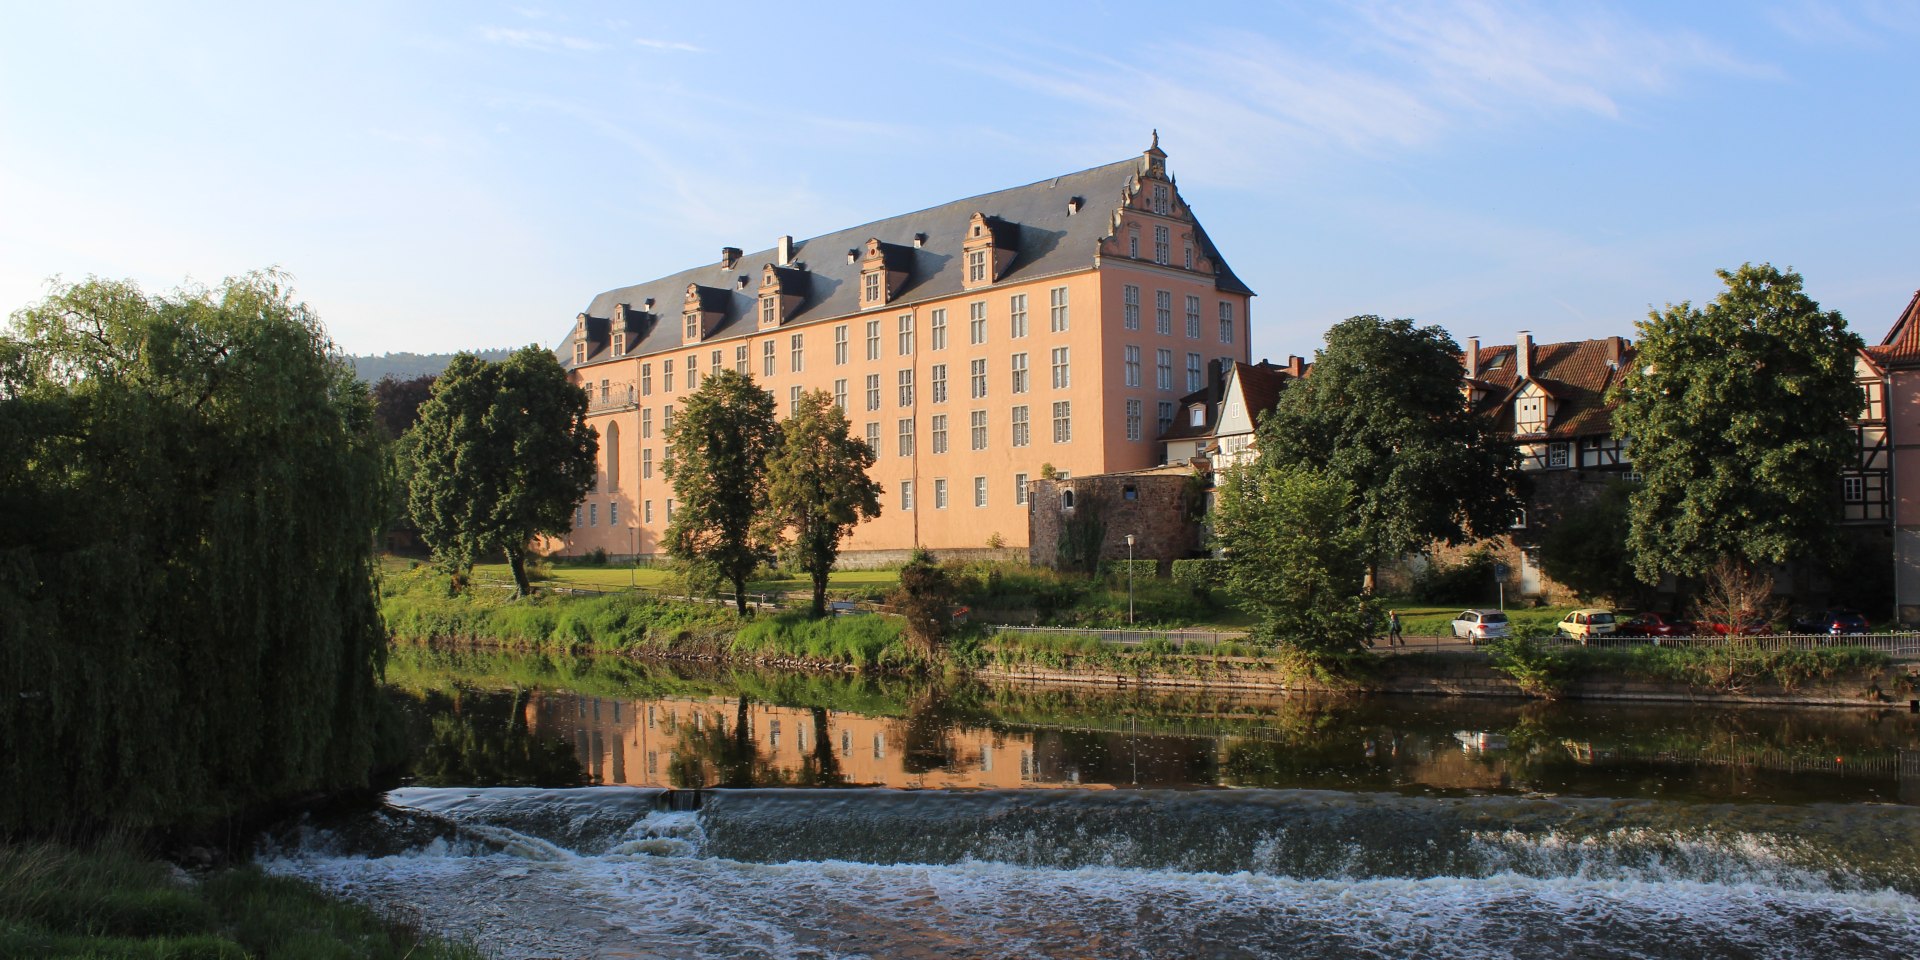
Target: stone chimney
{"x":1473,"y":358}
{"x":1296,"y":366}
{"x":728,"y":257}
{"x":1523,"y":356}
{"x":784,"y":252}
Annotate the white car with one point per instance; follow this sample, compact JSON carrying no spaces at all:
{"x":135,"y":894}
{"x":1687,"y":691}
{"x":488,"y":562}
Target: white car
{"x":1478,"y":625}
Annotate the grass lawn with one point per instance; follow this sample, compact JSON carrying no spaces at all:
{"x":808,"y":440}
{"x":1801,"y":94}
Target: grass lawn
{"x":1425,"y":620}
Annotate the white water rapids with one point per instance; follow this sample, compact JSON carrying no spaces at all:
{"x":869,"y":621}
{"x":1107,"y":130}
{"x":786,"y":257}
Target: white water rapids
{"x":1300,"y":874}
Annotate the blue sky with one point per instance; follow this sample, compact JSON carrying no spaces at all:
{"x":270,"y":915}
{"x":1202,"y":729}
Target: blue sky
{"x":464,"y":175}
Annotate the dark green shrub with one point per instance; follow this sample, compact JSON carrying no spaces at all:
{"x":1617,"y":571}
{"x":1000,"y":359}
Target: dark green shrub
{"x":1206,"y":573}
{"x":1142,"y":569}
{"x":1469,"y":581}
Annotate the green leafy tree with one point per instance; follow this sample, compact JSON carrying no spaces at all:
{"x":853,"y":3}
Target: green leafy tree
{"x":718,"y":451}
{"x":818,"y":488}
{"x":501,"y":454}
{"x":188,"y":500}
{"x":1293,"y":559}
{"x":925,"y":597}
{"x":1586,"y":546}
{"x":1737,"y":416}
{"x":1384,"y":412}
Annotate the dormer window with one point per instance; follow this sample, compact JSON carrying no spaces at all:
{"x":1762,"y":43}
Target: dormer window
{"x":1161,"y":205}
{"x":1530,"y":414}
{"x":579,"y":352}
{"x":870,"y":290}
{"x":769,"y":311}
{"x":977,"y":266}
{"x":1197,"y":415}
{"x":619,"y":343}
{"x":693,"y":327}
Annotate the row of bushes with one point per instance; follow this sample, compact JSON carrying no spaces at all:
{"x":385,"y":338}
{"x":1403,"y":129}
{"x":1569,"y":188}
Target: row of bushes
{"x":1548,"y":670}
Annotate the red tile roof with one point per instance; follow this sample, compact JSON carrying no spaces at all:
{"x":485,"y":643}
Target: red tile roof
{"x":1576,"y":375}
{"x":1901,"y":346}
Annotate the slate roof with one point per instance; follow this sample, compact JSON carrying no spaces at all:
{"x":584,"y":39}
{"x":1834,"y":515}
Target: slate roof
{"x":1048,"y":241}
{"x":1576,"y":374}
{"x":1901,"y":346}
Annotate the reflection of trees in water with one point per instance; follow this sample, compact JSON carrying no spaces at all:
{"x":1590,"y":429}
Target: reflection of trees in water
{"x":820,"y":767}
{"x":711,"y":755}
{"x":482,"y":739}
{"x":926,"y":733}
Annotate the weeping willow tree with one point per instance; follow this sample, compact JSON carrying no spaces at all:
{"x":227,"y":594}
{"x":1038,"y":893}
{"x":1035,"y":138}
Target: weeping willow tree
{"x":187,"y":503}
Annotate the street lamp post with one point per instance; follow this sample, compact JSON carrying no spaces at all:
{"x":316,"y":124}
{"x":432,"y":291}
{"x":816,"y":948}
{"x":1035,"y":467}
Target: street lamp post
{"x":1129,"y":579}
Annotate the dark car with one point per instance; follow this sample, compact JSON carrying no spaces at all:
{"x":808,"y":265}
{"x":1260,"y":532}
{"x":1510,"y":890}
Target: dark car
{"x":1653,"y":624}
{"x":1834,"y":623}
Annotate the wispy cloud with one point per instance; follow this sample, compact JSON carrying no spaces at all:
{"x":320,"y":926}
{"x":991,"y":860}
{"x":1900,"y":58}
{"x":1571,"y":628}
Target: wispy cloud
{"x":540,"y":40}
{"x":655,"y":44}
{"x":1853,"y":25}
{"x":1422,"y":71}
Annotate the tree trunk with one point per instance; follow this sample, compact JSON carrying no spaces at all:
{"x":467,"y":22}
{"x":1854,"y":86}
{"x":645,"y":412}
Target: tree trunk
{"x":517,"y":559}
{"x":819,"y":593}
{"x":740,"y":594}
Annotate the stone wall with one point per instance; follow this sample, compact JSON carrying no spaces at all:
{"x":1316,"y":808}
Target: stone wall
{"x":1151,"y":506}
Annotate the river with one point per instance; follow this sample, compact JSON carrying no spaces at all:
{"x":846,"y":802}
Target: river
{"x":559,"y":808}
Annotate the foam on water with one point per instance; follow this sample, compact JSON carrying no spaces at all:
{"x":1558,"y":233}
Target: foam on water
{"x":658,"y":885}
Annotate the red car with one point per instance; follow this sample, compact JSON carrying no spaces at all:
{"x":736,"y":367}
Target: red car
{"x":1655,"y":625}
{"x":1749,"y":626}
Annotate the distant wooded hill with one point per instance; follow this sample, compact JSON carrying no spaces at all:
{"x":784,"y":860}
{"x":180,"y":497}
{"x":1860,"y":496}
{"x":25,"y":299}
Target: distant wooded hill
{"x":406,"y":366}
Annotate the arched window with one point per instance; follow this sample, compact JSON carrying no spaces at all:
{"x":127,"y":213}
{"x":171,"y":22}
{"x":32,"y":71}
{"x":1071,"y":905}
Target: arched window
{"x":613,"y":456}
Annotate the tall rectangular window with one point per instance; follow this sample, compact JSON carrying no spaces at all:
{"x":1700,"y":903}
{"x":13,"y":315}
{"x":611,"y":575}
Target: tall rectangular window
{"x":978,"y":420}
{"x":939,"y":433}
{"x":937,"y":330}
{"x":873,"y":339}
{"x":1193,"y":318}
{"x":977,"y":322}
{"x":666,"y":375}
{"x":1163,"y":368}
{"x":840,"y":345}
{"x":906,"y":388}
{"x":740,"y":362}
{"x":593,"y":514}
{"x":646,"y":511}
{"x":873,"y":391}
{"x":1017,"y":313}
{"x":870,"y":284}
{"x":906,"y":334}
{"x":666,"y":420}
{"x":979,"y":491}
{"x":1063,"y":422}
{"x":873,"y":436}
{"x":1133,"y":419}
{"x":940,"y":493}
{"x":1194,"y":381}
{"x":906,"y":436}
{"x":840,"y":395}
{"x":1133,"y":366}
{"x":713,"y":363}
{"x":1019,"y":373}
{"x":977,"y":381}
{"x":1226,"y":322}
{"x":766,"y":357}
{"x":939,"y":383}
{"x":1062,"y":373}
{"x":976,"y":266}
{"x":1019,"y":489}
{"x":646,"y":463}
{"x":613,"y":513}
{"x":693,"y":371}
{"x":1021,"y":427}
{"x":1057,"y":315}
{"x":646,"y":423}
{"x":906,"y":503}
{"x":1163,"y":312}
{"x":799,"y":353}
{"x":1130,"y":307}
{"x":769,"y":311}
{"x":646,"y":379}
{"x":1166,"y":416}
{"x":1162,"y":244}
{"x":793,"y":400}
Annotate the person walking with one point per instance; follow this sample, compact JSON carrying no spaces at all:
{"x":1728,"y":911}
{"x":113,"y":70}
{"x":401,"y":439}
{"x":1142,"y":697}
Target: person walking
{"x":1394,"y":639}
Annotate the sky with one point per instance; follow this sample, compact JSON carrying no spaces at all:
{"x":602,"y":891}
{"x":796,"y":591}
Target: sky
{"x":451,"y":176}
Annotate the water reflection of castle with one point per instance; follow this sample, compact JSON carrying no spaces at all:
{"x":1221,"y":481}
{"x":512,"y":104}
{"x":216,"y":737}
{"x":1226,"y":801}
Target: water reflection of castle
{"x":702,"y":742}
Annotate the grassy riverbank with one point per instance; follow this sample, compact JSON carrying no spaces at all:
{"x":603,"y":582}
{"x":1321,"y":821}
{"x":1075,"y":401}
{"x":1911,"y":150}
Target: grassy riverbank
{"x":108,"y":902}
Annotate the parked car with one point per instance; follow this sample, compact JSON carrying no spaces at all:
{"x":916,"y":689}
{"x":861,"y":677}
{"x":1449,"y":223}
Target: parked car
{"x":1586,"y":624}
{"x":1834,"y":623}
{"x":1654,"y":624}
{"x":1750,"y":625}
{"x":1478,"y":625}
